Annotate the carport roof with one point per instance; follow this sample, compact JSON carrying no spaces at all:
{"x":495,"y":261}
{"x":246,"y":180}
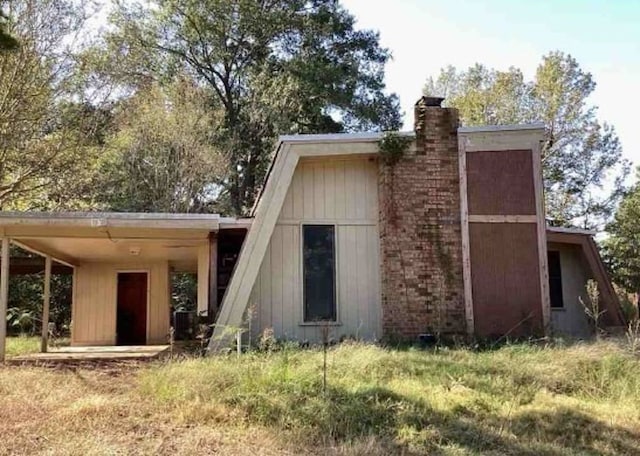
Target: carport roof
{"x":114,"y":219}
{"x":72,"y":237}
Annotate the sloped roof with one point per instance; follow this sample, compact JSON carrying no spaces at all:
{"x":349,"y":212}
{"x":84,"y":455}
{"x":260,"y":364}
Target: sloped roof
{"x":267,"y":209}
{"x":584,"y":239}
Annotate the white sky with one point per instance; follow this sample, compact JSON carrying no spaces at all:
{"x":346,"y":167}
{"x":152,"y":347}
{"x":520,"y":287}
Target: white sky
{"x":426,"y":35}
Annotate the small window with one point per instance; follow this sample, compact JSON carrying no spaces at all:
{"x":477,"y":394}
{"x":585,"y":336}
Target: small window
{"x":319,"y":273}
{"x":555,"y":279}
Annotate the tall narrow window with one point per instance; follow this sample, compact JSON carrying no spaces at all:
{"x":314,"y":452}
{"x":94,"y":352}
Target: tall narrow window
{"x":319,"y":272}
{"x":555,"y":279}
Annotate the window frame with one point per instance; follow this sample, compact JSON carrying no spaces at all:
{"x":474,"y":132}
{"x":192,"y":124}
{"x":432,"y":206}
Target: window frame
{"x":336,"y":277}
{"x":559,"y":254}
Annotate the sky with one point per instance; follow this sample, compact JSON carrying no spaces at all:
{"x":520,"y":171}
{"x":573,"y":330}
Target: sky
{"x":426,"y":35}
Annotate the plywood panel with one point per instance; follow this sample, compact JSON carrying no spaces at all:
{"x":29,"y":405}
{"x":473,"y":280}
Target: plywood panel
{"x":348,"y":274}
{"x":307,"y":187}
{"x":330,"y":191}
{"x":340,"y":192}
{"x":94,"y":308}
{"x":500,"y":182}
{"x":297,"y":196}
{"x":263,"y":302}
{"x":362,"y":277}
{"x":505,"y":277}
{"x":373,"y":262}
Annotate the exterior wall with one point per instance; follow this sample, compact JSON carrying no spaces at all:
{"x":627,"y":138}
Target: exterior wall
{"x":339,"y":191}
{"x":421,"y":244}
{"x":571,"y":320}
{"x":94,"y":302}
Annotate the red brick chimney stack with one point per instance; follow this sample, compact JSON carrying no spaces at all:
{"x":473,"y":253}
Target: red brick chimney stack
{"x":421,"y":243}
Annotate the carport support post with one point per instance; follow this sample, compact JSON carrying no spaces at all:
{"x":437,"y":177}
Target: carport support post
{"x":4,"y":295}
{"x":45,"y":304}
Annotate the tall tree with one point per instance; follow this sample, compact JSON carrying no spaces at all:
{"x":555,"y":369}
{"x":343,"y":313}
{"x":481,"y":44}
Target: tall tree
{"x":160,"y":156}
{"x":42,"y":129}
{"x":584,"y":171}
{"x":622,"y":246}
{"x":272,"y":67}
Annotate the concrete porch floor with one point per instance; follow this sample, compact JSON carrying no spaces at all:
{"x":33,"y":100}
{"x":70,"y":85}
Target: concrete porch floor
{"x":95,"y":353}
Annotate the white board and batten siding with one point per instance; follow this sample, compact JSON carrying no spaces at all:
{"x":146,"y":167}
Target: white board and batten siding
{"x":95,"y":302}
{"x":338,"y":191}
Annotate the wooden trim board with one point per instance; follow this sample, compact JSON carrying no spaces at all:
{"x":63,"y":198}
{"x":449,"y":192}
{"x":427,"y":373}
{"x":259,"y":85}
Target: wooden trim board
{"x":466,"y":248}
{"x":542,"y":235}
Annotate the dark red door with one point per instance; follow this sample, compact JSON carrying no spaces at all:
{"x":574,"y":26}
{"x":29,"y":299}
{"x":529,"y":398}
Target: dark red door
{"x":131,"y":325}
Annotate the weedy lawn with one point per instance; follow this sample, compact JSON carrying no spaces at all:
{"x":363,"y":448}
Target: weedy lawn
{"x":518,"y":399}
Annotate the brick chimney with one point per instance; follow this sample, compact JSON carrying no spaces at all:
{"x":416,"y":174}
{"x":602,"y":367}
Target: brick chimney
{"x":420,"y":232}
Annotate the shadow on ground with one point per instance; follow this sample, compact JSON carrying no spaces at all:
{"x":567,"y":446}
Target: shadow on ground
{"x":405,"y":426}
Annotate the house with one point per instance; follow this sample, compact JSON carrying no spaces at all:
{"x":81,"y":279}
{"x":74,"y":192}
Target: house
{"x":449,"y":240}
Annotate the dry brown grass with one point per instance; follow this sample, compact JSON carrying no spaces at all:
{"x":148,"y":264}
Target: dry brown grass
{"x":517,"y":400}
{"x":98,"y":410}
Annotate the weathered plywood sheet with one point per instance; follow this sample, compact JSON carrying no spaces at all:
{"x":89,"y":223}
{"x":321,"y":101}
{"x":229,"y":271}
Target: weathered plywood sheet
{"x":500,"y":183}
{"x":505,"y":277}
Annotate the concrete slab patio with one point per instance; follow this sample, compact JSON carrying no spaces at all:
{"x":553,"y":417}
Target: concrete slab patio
{"x":94,"y":353}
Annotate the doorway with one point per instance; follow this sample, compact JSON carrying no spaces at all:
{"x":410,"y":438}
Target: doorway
{"x":131,"y":320}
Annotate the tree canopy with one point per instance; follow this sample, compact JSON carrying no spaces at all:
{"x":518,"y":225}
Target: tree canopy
{"x":160,"y":156}
{"x":43,"y":127}
{"x":584,"y":171}
{"x":622,"y":246}
{"x":266,"y":68}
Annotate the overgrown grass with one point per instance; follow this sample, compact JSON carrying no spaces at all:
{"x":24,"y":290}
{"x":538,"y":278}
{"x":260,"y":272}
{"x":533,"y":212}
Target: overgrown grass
{"x":516,"y":400}
{"x":519,"y":399}
{"x":25,"y":344}
{"x":22,"y":345}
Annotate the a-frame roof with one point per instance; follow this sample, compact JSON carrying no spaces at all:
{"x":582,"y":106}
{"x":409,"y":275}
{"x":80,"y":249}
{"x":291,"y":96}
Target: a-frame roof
{"x":267,"y":209}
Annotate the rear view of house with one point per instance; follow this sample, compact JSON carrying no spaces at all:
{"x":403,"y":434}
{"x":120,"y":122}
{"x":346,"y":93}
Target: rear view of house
{"x":449,"y":240}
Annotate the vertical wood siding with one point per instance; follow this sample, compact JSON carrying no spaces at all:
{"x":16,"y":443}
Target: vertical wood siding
{"x":95,"y":300}
{"x":341,"y":192}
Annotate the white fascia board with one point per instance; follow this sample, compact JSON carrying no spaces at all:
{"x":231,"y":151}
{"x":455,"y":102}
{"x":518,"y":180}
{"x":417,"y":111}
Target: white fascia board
{"x":111,"y":219}
{"x":232,"y":222}
{"x":496,"y":128}
{"x":561,"y":229}
{"x":341,"y":137}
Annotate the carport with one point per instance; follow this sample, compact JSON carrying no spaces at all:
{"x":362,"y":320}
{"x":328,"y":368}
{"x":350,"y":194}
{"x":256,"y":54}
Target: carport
{"x":121,"y":264}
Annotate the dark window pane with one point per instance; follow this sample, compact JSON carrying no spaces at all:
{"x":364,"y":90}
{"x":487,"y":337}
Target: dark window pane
{"x":555,"y":279}
{"x":319,"y":272}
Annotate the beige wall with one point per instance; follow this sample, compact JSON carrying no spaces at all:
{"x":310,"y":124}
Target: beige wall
{"x":94,"y":302}
{"x":337,"y":191}
{"x":571,"y":320}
